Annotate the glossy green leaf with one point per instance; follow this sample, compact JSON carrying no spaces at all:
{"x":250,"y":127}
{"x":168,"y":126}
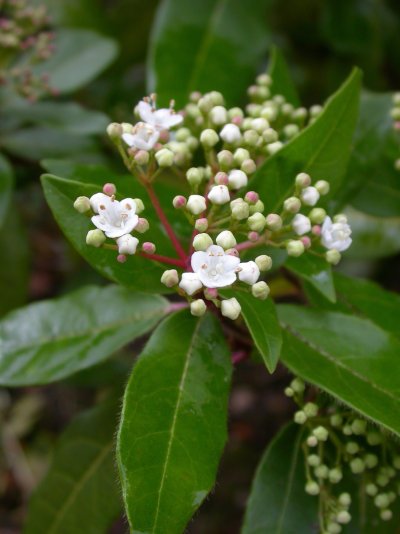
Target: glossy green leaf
{"x":315,"y":270}
{"x":278,"y":503}
{"x":79,"y":493}
{"x":349,"y":357}
{"x":282,"y":82}
{"x":322,"y":150}
{"x":261,"y":320}
{"x":79,"y":57}
{"x":224,"y":42}
{"x":6,"y":182}
{"x":173,"y":423}
{"x":50,"y":340}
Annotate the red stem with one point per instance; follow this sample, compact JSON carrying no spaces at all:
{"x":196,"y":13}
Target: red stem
{"x":168,"y":228}
{"x":176,"y":306}
{"x":249,"y":244}
{"x":164,"y":259}
{"x":238,"y":356}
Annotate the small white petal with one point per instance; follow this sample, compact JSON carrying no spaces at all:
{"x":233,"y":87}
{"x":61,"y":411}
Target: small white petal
{"x":249,"y":272}
{"x":190,"y":283}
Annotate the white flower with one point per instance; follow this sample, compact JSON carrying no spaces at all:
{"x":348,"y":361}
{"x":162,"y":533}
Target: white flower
{"x":143,"y":137}
{"x":196,"y":204}
{"x":249,"y":272}
{"x":190,"y":282}
{"x":214,"y":267}
{"x":219,"y":194}
{"x":301,"y":224}
{"x":115,"y":218}
{"x":237,"y":179}
{"x":160,"y":119}
{"x":127,"y":244}
{"x":230,"y":308}
{"x":97,"y":199}
{"x":230,"y":133}
{"x":309,"y":196}
{"x":336,"y":235}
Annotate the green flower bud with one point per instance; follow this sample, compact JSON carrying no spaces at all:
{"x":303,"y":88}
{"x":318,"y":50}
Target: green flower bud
{"x":336,"y":420}
{"x":256,"y":222}
{"x":292,"y":205}
{"x":382,"y":480}
{"x":264,"y":262}
{"x":290,"y":130}
{"x":333,"y":256}
{"x":240,"y":155}
{"x":287,"y":109}
{"x":300,"y":417}
{"x":299,"y":114}
{"x":114,"y":131}
{"x":344,"y":499}
{"x":216,"y":98}
{"x":192,"y":143}
{"x":374,"y":438}
{"x":381,"y":500}
{"x":139,"y":205}
{"x":321,"y":471}
{"x":357,"y":466}
{"x":294,"y":248}
{"x":192,"y":111}
{"x":82,"y":204}
{"x":322,"y":186}
{"x":194,"y":176}
{"x":226,"y":240}
{"x":317,"y":215}
{"x":371,"y":460}
{"x":359,"y":426}
{"x":165,"y":157}
{"x":202,"y":242}
{"x":395,"y":114}
{"x":269,"y":112}
{"x":182,"y":134}
{"x":201,"y":225}
{"x":225,"y":159}
{"x":260,"y":290}
{"x":264,"y":79}
{"x":347,"y":431}
{"x":315,"y":110}
{"x":352,"y":447}
{"x":386,"y":515}
{"x":205,"y":103}
{"x":343,"y":517}
{"x":95,"y":238}
{"x":248,"y":166}
{"x":251,"y":137}
{"x":312,"y":488}
{"x":312,"y":441}
{"x":335,"y":475}
{"x":209,"y":138}
{"x":198,"y":307}
{"x":240,"y":209}
{"x":258,"y":207}
{"x":371,"y":489}
{"x":272,"y":148}
{"x":170,"y":278}
{"x":235,"y":112}
{"x":303,"y":180}
{"x":142,"y":157}
{"x":230,"y":308}
{"x":321,"y":433}
{"x":270,"y":135}
{"x":218,"y":115}
{"x":298,"y":385}
{"x":313,"y":460}
{"x":310,"y":409}
{"x":333,"y":528}
{"x":273,"y":222}
{"x":288,"y":392}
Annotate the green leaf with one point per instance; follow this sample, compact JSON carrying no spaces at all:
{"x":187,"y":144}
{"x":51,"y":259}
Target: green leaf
{"x":315,"y":270}
{"x":79,"y":494}
{"x":138,"y":272}
{"x":322,"y":150}
{"x":173,"y":424}
{"x":50,"y":340}
{"x":6,"y":183}
{"x":282,"y":82}
{"x":262,"y":322}
{"x":278,"y":503}
{"x":79,"y":57}
{"x":349,"y":357}
{"x":224,"y":42}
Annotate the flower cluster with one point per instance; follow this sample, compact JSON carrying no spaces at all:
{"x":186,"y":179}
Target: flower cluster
{"x":25,"y":40}
{"x":341,"y":445}
{"x":227,"y":219}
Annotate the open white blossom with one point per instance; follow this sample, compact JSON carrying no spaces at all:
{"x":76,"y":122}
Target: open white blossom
{"x":190,"y":282}
{"x":160,"y":119}
{"x":249,"y":272}
{"x":97,"y":199}
{"x":214,"y":267}
{"x":143,"y":137}
{"x":115,"y":218}
{"x":336,"y":235}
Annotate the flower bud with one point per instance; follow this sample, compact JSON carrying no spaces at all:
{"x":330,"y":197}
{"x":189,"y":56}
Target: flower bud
{"x":230,"y":133}
{"x":290,"y":130}
{"x":299,"y":114}
{"x":126,"y":127}
{"x":252,"y":197}
{"x":258,"y":207}
{"x":270,"y":135}
{"x":248,"y":166}
{"x":303,"y":180}
{"x":249,"y":272}
{"x":321,"y":471}
{"x":240,"y":155}
{"x":253,"y":236}
{"x":165,"y":157}
{"x":82,"y":204}
{"x":219,"y":195}
{"x":312,"y":441}
{"x":127,"y":244}
{"x":121,"y":258}
{"x":226,"y":239}
{"x":343,"y":517}
{"x":292,"y":205}
{"x":114,"y":131}
{"x":109,"y":189}
{"x":288,"y":392}
{"x":230,"y":308}
{"x":256,"y":222}
{"x":322,"y":186}
{"x":260,"y":290}
{"x":139,"y":205}
{"x":359,"y":426}
{"x":371,"y":460}
{"x":273,"y":222}
{"x":352,"y":447}
{"x":170,"y":278}
{"x":335,"y":475}
{"x":221,"y":178}
{"x":301,"y":224}
{"x":313,"y":460}
{"x":194,"y":176}
{"x":240,"y":209}
{"x":235,"y":113}
{"x":190,"y":283}
{"x":336,"y":420}
{"x":260,"y":124}
{"x":310,"y":409}
{"x":95,"y":238}
{"x":202,"y":242}
{"x":344,"y":499}
{"x":209,"y":138}
{"x":371,"y":489}
{"x":320,"y":433}
{"x":148,"y":247}
{"x":300,"y":417}
{"x":357,"y":466}
{"x":333,"y":528}
{"x":251,"y":137}
{"x":386,"y":515}
{"x":309,"y":196}
{"x":315,"y":110}
{"x":237,"y":179}
{"x":264,"y":262}
{"x":264,"y":79}
{"x":142,"y":157}
{"x":201,"y":225}
{"x":216,"y":98}
{"x":317,"y":215}
{"x":225,"y":159}
{"x":312,"y":488}
{"x":218,"y":115}
{"x":306,"y":241}
{"x":205,"y":103}
{"x":198,"y":307}
{"x":196,"y":204}
{"x":374,"y":438}
{"x":333,"y":256}
{"x":297,"y":385}
{"x":272,"y":148}
{"x":142,"y":225}
{"x":294,"y":248}
{"x":179,"y":202}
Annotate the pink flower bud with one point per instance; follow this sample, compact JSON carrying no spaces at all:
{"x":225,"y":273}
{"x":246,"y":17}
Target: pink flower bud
{"x":201,"y":224}
{"x":109,"y":189}
{"x":211,"y":293}
{"x":221,"y":178}
{"x":148,"y":247}
{"x":179,"y":202}
{"x":306,"y":241}
{"x":121,"y":258}
{"x":142,"y":225}
{"x":237,"y":120}
{"x":252,"y":197}
{"x":253,"y":236}
{"x":232,"y":252}
{"x":157,"y":146}
{"x":164,"y":136}
{"x":316,"y":230}
{"x":141,"y":156}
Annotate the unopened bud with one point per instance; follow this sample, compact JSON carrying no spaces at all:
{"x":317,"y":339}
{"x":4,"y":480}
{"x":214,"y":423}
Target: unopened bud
{"x":231,"y":134}
{"x":336,"y":420}
{"x":95,"y":238}
{"x":209,"y":138}
{"x":148,"y":247}
{"x":333,"y":256}
{"x":170,"y":278}
{"x":317,"y":215}
{"x":272,"y":148}
{"x":374,"y":438}
{"x":256,"y":222}
{"x":270,"y":135}
{"x":253,"y":236}
{"x":165,"y":157}
{"x":292,"y":205}
{"x":82,"y":204}
{"x":300,"y":417}
{"x":321,"y":433}
{"x":210,"y":293}
{"x":303,"y":180}
{"x":142,"y":225}
{"x":371,"y":489}
{"x":237,"y":179}
{"x":202,"y":242}
{"x":251,"y":197}
{"x":260,"y":290}
{"x":335,"y":475}
{"x":352,"y":447}
{"x":230,"y":308}
{"x":179,"y":202}
{"x":121,"y":258}
{"x":357,"y":466}
{"x":198,"y":307}
{"x":114,"y":131}
{"x":219,"y":195}
{"x":294,"y":248}
{"x":194,"y":176}
{"x":248,"y":166}
{"x":371,"y":460}
{"x":297,"y":385}
{"x":258,"y":207}
{"x":201,"y":225}
{"x":312,"y":441}
{"x":127,"y":244}
{"x":322,"y":186}
{"x":290,"y":130}
{"x":311,"y":409}
{"x":235,"y":113}
{"x":226,"y":239}
{"x":313,"y":460}
{"x":251,"y":137}
{"x":142,"y":157}
{"x":225,"y":159}
{"x":309,"y":196}
{"x":240,"y":209}
{"x":301,"y":224}
{"x":109,"y":189}
{"x":273,"y":222}
{"x":240,"y":155}
{"x":321,"y":471}
{"x":221,"y":178}
{"x":264,"y":262}
{"x":386,"y":515}
{"x":343,"y":517}
{"x":359,"y":426}
{"x":312,"y":488}
{"x":139,"y":205}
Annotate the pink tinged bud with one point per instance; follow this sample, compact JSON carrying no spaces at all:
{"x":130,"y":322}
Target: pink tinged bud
{"x":237,"y":120}
{"x":253,"y":236}
{"x":148,"y":247}
{"x":316,"y":229}
{"x":179,"y":202}
{"x":251,"y":197}
{"x":306,"y":241}
{"x":221,"y":178}
{"x":211,"y":293}
{"x":121,"y":258}
{"x":201,"y":225}
{"x":141,"y":157}
{"x":142,"y":225}
{"x":109,"y":189}
{"x":164,"y":136}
